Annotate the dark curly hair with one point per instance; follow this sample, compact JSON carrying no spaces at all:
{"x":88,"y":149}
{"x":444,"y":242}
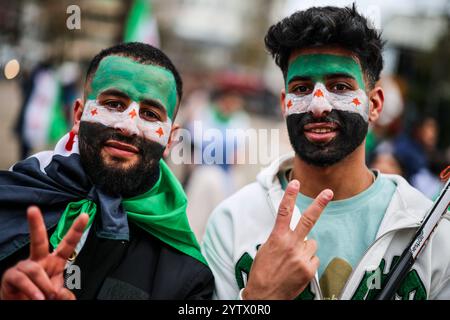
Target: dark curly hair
{"x":142,"y":53}
{"x":321,"y":26}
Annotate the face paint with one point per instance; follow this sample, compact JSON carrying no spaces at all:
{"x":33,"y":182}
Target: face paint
{"x":347,"y":109}
{"x":118,"y":176}
{"x":321,"y":100}
{"x":317,"y":67}
{"x":129,"y":120}
{"x":136,"y":80}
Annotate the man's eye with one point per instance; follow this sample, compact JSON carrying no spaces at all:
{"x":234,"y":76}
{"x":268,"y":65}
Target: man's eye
{"x":149,"y":115}
{"x":301,"y":90}
{"x":340,"y":87}
{"x":116,"y":105}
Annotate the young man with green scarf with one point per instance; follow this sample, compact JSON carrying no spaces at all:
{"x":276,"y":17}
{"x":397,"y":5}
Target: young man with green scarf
{"x":112,"y":211}
{"x":255,"y":242}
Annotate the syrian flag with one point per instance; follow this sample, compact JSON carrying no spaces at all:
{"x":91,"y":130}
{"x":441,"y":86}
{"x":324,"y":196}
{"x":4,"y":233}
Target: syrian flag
{"x":44,"y":122}
{"x":56,"y":182}
{"x":141,"y":26}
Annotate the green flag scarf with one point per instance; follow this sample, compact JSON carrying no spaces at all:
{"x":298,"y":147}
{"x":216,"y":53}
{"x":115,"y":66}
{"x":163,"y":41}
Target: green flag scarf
{"x":160,"y":211}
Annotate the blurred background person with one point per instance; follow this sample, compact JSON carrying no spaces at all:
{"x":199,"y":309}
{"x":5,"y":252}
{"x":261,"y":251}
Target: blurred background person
{"x":223,"y":122}
{"x":42,"y":119}
{"x":384,"y":159}
{"x":417,"y":150}
{"x":389,"y":124}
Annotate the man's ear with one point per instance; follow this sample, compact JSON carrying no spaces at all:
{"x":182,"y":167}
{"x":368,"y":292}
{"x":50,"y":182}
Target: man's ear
{"x":283,"y":101}
{"x":173,"y":133}
{"x":376,"y":100}
{"x":77,"y":113}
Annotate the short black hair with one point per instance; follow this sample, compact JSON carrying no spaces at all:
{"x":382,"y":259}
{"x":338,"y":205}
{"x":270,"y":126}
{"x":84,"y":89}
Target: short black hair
{"x":142,"y":53}
{"x":325,"y":26}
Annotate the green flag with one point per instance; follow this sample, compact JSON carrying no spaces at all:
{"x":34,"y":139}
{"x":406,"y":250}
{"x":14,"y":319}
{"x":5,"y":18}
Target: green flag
{"x":141,"y":26}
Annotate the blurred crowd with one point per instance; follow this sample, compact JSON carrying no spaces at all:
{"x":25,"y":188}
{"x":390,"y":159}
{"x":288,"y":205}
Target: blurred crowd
{"x":406,"y":145}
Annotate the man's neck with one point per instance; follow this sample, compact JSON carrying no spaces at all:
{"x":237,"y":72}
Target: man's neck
{"x":346,"y":178}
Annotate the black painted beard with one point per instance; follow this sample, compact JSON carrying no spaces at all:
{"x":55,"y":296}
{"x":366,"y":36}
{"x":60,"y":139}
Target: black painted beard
{"x":126,"y":182}
{"x":352,"y":131}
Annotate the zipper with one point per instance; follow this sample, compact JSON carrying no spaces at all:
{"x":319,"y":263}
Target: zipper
{"x":365,"y":253}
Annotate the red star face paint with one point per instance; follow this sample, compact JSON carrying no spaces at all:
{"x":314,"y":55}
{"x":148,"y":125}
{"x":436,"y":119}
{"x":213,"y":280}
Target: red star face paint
{"x":320,"y":83}
{"x":129,"y":119}
{"x":135,"y":85}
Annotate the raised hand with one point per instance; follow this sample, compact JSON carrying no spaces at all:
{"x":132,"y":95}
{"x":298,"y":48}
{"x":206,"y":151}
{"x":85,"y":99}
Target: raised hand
{"x":285,"y":264}
{"x":41,"y":276}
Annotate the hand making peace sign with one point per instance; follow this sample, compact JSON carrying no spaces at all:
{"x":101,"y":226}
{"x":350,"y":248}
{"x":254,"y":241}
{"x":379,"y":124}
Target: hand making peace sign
{"x":41,"y":276}
{"x":286,"y":263}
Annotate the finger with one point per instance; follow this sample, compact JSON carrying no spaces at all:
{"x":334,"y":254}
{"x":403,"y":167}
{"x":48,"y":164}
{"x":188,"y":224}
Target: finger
{"x":38,"y":276}
{"x":73,"y":236}
{"x":312,"y":213}
{"x":286,"y":208}
{"x":19,"y":284}
{"x":315,"y":262}
{"x":310,"y":247}
{"x":65,"y":294}
{"x":38,"y":234}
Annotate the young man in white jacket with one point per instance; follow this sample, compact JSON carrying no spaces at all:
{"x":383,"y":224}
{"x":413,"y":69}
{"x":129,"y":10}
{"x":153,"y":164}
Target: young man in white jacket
{"x":275,"y":240}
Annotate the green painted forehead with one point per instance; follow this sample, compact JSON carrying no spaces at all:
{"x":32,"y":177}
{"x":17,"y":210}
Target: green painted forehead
{"x":138,"y":81}
{"x":318,"y":66}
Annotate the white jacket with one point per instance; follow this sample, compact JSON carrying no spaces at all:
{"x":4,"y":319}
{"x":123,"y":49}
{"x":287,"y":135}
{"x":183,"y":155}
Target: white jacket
{"x":244,"y":221}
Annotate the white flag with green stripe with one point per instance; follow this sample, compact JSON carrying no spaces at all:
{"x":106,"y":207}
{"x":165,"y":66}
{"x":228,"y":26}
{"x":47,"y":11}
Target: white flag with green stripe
{"x":141,"y":25}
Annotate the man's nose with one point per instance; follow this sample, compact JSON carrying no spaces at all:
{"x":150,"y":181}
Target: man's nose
{"x":127,"y":128}
{"x":319,"y":107}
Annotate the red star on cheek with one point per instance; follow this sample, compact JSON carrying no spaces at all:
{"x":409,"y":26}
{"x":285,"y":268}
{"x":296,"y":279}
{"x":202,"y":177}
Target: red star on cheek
{"x":356,"y":102}
{"x":160,"y":132}
{"x":132,"y":113}
{"x":289,"y":104}
{"x":94,"y":112}
{"x":318,"y":93}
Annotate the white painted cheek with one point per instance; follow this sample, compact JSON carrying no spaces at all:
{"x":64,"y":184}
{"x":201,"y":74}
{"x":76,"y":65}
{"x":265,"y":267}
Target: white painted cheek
{"x":93,"y":112}
{"x":128,"y":121}
{"x":157,"y":131}
{"x":296,"y":104}
{"x":353,"y":101}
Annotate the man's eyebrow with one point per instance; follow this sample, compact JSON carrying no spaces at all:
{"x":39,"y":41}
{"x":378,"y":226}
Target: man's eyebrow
{"x":299,"y":78}
{"x":339,"y":75}
{"x":154,"y":103}
{"x":115,"y":92}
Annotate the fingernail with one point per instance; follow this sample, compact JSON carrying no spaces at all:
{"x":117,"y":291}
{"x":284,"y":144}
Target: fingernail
{"x":328,"y":194}
{"x":295,"y":183}
{"x":39,"y":296}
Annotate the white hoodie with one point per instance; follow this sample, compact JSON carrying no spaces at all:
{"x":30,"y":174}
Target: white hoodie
{"x":241,"y":223}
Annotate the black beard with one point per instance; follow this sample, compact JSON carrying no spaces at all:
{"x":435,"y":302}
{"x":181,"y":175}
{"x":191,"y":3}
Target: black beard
{"x":126,"y":182}
{"x":352,"y":131}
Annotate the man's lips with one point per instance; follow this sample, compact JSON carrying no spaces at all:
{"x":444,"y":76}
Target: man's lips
{"x":120,"y":149}
{"x":321,"y":132}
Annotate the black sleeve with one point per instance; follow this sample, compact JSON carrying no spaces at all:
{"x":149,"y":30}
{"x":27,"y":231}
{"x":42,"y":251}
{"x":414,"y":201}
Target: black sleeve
{"x":201,"y":285}
{"x":11,"y":260}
